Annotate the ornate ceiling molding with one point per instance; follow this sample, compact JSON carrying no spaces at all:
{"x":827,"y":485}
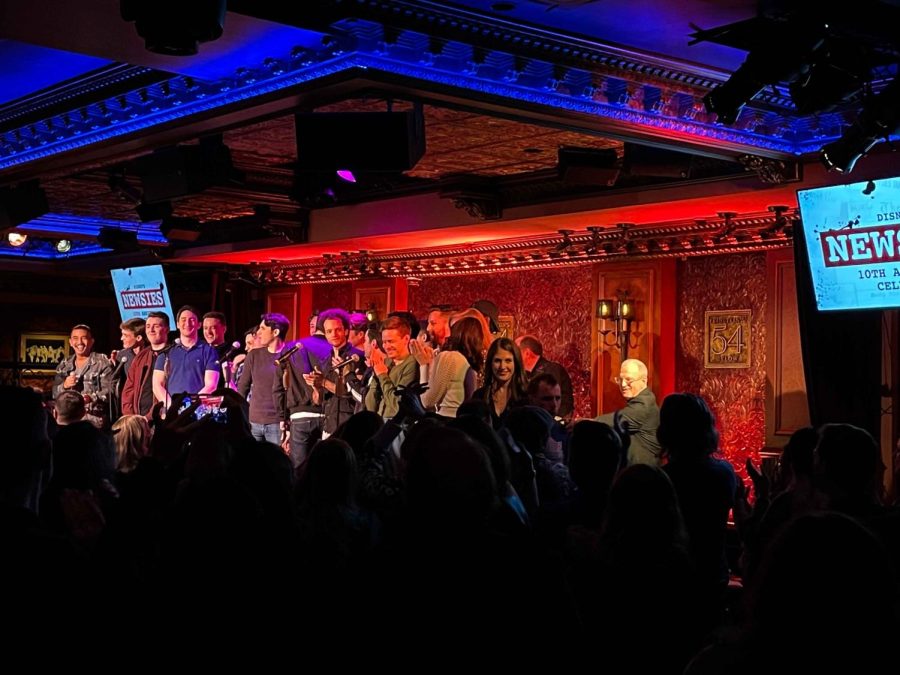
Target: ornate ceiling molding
{"x":727,"y":233}
{"x":490,"y":60}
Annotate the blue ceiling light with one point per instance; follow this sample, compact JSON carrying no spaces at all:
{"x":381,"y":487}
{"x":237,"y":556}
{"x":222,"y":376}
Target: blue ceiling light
{"x":46,"y":249}
{"x":70,"y":226}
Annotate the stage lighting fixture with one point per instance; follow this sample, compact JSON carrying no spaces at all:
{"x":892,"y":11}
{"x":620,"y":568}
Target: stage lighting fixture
{"x":121,"y":241}
{"x":778,"y":59}
{"x":180,"y":229}
{"x":173,"y":172}
{"x":346,"y":175}
{"x":16,"y":239}
{"x":878,"y":120}
{"x":150,"y":212}
{"x":22,"y":203}
{"x":175,"y":27}
{"x":834,"y":75}
{"x":64,"y":245}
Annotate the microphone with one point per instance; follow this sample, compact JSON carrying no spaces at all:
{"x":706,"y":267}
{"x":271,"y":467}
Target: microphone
{"x":119,"y":366}
{"x":234,"y":349}
{"x":353,"y":358}
{"x":281,"y":360}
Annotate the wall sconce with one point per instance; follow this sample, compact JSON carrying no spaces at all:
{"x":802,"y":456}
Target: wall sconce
{"x":621,"y":313}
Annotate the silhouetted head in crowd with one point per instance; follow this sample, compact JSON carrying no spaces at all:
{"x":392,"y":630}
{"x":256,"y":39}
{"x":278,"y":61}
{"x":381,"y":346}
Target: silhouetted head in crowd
{"x":797,"y":457}
{"x":450,"y":485}
{"x":848,"y":462}
{"x":481,"y":432}
{"x":530,"y":426}
{"x":475,"y":408}
{"x":643,"y":518}
{"x":825,"y":596}
{"x":330,"y":475}
{"x":357,"y":430}
{"x":595,"y":456}
{"x":26,"y":446}
{"x":69,"y":408}
{"x":131,"y":434}
{"x":687,"y":428}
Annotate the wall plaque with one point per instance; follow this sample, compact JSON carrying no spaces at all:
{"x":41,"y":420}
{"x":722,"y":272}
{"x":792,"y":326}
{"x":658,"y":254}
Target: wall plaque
{"x":726,"y":340}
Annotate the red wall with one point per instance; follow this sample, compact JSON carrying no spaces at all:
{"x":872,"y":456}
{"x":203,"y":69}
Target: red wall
{"x":735,"y":395}
{"x":337,"y":294}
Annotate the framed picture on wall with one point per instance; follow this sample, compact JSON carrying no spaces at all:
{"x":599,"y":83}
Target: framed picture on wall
{"x":726,"y":339}
{"x":43,"y":351}
{"x":507,"y":324}
{"x":373,"y":297}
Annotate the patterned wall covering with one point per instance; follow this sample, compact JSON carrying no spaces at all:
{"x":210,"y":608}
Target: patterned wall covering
{"x":736,"y":396}
{"x":336,"y":294}
{"x":554,"y":305}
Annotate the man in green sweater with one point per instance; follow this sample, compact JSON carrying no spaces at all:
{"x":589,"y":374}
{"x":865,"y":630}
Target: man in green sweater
{"x":393,"y":367}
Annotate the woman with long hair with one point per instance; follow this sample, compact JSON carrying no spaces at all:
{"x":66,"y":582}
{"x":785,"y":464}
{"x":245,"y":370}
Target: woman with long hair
{"x":504,"y":379}
{"x":453,"y":373}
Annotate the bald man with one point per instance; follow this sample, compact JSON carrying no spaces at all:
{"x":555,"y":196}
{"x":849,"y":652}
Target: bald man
{"x":640,"y":414}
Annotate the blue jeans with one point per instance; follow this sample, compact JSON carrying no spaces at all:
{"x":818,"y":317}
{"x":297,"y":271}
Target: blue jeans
{"x":266,"y":432}
{"x":305,"y":433}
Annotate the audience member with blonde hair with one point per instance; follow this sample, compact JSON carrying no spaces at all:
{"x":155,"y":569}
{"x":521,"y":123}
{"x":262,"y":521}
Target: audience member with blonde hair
{"x":132,"y":436}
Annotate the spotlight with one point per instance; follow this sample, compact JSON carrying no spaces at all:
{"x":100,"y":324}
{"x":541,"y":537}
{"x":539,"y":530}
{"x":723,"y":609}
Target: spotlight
{"x":118,"y":240}
{"x":175,"y":27}
{"x":346,"y":175}
{"x":765,"y":64}
{"x":180,"y":229}
{"x":63,"y":246}
{"x":879,"y":118}
{"x":16,"y":239}
{"x":21,"y":203}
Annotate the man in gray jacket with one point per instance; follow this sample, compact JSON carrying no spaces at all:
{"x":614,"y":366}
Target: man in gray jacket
{"x":640,"y":414}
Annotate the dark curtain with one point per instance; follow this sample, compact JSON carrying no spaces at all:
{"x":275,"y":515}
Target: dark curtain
{"x":841,"y":355}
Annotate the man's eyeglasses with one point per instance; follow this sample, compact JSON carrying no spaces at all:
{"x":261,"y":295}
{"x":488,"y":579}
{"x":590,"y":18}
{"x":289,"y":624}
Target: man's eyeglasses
{"x":626,"y":381}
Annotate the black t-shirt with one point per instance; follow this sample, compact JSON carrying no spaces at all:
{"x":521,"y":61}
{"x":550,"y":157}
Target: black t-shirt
{"x":146,"y":402}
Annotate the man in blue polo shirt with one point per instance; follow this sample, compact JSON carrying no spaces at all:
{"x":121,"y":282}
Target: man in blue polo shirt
{"x":190,"y":365}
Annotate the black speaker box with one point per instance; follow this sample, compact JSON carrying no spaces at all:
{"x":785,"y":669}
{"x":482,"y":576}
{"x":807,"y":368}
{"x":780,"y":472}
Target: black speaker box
{"x":588,"y":166}
{"x":184,"y":170}
{"x":380,"y":141}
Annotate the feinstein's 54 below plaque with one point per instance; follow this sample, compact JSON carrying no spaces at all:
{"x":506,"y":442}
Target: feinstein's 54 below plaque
{"x":727,"y":339}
